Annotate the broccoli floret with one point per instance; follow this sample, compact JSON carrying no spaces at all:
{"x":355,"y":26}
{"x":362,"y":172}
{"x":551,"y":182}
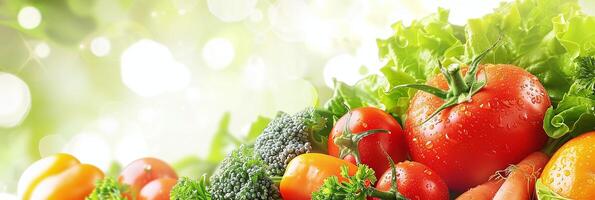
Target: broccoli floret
{"x":288,"y":136}
{"x":243,"y":176}
{"x":107,"y":189}
{"x":190,"y":189}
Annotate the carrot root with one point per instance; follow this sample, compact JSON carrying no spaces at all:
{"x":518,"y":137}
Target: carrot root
{"x":485,"y":191}
{"x":520,"y":182}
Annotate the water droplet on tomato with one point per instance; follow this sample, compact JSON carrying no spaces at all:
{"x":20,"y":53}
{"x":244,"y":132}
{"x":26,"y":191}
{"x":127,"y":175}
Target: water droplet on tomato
{"x":524,"y":116}
{"x":428,"y":172}
{"x":429,"y":144}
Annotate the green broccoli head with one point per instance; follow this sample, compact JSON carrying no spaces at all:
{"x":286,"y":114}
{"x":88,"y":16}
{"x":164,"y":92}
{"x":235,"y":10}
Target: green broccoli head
{"x":107,"y":189}
{"x":288,"y":136}
{"x":190,"y":189}
{"x":243,"y":176}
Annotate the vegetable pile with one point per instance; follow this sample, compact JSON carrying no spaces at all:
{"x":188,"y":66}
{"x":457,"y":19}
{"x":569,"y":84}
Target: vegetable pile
{"x":457,"y":112}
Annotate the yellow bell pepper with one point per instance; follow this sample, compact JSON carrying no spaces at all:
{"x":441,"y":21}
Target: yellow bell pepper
{"x":58,"y":177}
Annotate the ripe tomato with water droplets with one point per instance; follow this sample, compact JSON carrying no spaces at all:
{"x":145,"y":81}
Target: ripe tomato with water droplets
{"x":415,"y":181}
{"x":468,"y":142}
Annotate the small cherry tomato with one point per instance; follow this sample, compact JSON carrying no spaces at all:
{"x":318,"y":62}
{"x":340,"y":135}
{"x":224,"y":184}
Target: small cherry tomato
{"x":415,"y":181}
{"x":141,"y":172}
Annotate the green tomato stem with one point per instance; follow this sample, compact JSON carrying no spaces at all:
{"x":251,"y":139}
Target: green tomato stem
{"x":456,"y":83}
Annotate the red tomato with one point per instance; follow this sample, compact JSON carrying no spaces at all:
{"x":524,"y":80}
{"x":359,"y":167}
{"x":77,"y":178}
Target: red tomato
{"x":371,"y":147}
{"x":415,"y":181}
{"x":470,"y":141}
{"x":157,"y":189}
{"x":142,"y":171}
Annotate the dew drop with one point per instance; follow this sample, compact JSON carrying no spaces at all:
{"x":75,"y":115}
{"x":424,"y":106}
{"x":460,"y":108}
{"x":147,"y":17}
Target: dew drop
{"x":429,"y":144}
{"x":428,"y":172}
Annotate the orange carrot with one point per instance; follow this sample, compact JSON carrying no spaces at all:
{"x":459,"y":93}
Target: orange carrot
{"x":485,"y":191}
{"x":520,"y":183}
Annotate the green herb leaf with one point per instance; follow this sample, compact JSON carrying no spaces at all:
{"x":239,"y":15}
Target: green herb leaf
{"x":356,"y":187}
{"x":190,"y":189}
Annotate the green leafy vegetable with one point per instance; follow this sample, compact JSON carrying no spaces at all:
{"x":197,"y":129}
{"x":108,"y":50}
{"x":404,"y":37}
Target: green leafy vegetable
{"x":190,"y":189}
{"x":366,"y":92}
{"x":224,"y":139}
{"x":540,"y":36}
{"x":191,"y":166}
{"x":256,"y":128}
{"x":107,"y":189}
{"x":545,"y":193}
{"x":575,"y":114}
{"x":357,"y":187}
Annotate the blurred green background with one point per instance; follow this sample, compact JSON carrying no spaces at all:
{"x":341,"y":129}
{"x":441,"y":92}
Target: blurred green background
{"x":110,"y":81}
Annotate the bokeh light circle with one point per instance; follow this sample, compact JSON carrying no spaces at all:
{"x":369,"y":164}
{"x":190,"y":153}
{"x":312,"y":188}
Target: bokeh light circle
{"x":7,"y":196}
{"x":42,"y":50}
{"x":218,"y":53}
{"x":255,"y":73}
{"x":148,"y":68}
{"x":15,"y":100}
{"x":231,"y":10}
{"x":100,"y":46}
{"x":90,"y":148}
{"x":29,"y":17}
{"x":344,"y":68}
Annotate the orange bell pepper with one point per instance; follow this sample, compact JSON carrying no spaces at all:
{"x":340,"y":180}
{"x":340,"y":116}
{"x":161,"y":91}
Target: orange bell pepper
{"x":306,"y":173}
{"x":58,"y":177}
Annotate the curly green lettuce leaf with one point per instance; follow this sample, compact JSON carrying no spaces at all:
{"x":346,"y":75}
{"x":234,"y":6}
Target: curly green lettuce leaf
{"x":545,"y":193}
{"x":542,"y":36}
{"x":366,"y":92}
{"x":575,"y":114}
{"x":413,"y":53}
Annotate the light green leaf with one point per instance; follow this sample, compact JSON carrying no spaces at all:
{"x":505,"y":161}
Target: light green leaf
{"x":575,"y":114}
{"x":256,"y":128}
{"x":545,"y":193}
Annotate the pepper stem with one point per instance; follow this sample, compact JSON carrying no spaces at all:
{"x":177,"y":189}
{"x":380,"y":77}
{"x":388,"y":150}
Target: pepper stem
{"x":348,"y":142}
